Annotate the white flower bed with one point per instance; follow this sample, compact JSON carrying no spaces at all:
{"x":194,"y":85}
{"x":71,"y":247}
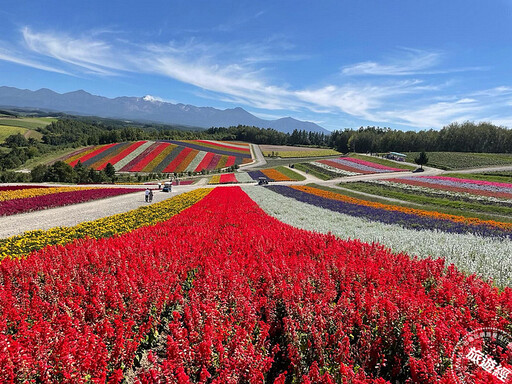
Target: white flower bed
{"x":121,"y":163}
{"x":487,"y":257}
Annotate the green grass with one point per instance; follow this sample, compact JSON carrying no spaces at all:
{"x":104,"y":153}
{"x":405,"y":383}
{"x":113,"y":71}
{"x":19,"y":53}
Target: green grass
{"x":8,"y":130}
{"x":387,"y":163}
{"x":502,"y":177}
{"x":315,"y":171}
{"x":291,"y":174}
{"x":462,"y":160}
{"x":28,"y":122}
{"x":438,"y":204}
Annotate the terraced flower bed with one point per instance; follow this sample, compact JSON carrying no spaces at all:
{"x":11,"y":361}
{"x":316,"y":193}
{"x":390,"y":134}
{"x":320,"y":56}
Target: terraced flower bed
{"x":162,"y":156}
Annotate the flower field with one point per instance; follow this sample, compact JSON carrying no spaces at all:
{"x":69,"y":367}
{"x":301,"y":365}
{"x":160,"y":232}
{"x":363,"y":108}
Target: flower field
{"x":224,"y":293}
{"x":285,"y":151}
{"x":349,"y":166}
{"x":458,"y":185}
{"x":276,"y":174}
{"x":163,"y":156}
{"x":13,"y":201}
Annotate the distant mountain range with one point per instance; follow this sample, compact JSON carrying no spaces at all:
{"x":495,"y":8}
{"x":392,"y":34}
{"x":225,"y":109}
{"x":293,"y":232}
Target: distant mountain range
{"x":147,"y":109}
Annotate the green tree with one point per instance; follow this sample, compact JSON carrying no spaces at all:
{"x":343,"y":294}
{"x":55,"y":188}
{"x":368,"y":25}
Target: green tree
{"x":110,"y":171}
{"x":422,"y":159}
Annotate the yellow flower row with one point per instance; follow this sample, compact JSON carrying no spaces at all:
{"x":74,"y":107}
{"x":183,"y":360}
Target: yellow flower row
{"x":33,"y":192}
{"x":16,"y":246}
{"x":215,"y":179}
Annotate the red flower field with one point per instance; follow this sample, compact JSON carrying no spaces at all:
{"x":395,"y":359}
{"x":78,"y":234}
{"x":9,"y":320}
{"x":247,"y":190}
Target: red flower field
{"x":224,"y":293}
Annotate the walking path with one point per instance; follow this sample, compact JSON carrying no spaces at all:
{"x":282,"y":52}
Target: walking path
{"x":259,"y":159}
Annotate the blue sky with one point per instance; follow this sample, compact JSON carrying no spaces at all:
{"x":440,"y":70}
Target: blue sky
{"x":401,"y":64}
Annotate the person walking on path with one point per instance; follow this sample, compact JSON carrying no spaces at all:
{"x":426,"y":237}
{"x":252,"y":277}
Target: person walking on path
{"x":150,"y":196}
{"x":147,"y":195}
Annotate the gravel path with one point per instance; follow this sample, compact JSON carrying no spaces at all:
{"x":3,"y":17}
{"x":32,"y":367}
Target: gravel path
{"x":74,"y":214}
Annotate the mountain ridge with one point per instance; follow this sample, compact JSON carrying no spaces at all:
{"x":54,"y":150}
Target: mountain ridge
{"x":146,"y":108}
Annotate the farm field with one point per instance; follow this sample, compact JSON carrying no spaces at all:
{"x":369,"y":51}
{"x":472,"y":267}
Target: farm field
{"x":162,"y":156}
{"x":461,"y":160}
{"x":295,"y":152}
{"x":214,"y":286}
{"x":279,"y":173}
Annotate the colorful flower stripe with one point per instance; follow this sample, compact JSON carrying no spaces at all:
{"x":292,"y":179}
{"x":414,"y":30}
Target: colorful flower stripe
{"x":16,"y":246}
{"x":76,"y":156}
{"x":177,"y":161}
{"x":228,"y":178}
{"x":37,"y":203}
{"x":196,"y":161}
{"x":212,"y":144}
{"x":222,"y":162}
{"x":203,"y":147}
{"x":348,"y":168}
{"x":205,"y":162}
{"x":243,"y":177}
{"x":260,"y":302}
{"x":104,"y":154}
{"x":132,"y":155}
{"x":90,"y":155}
{"x":214,"y":162}
{"x":230,"y":161}
{"x":344,"y":161}
{"x":471,"y":181}
{"x":336,"y":203}
{"x":169,"y":158}
{"x":488,"y":257}
{"x":68,"y":157}
{"x":257,"y":174}
{"x":470,"y":184}
{"x":373,"y":165}
{"x":423,"y":183}
{"x":187,"y":160}
{"x":413,"y":211}
{"x":153,"y":164}
{"x":149,"y":149}
{"x":275,"y":175}
{"x":34,"y":192}
{"x":336,"y":170}
{"x":18,"y":187}
{"x":235,"y":144}
{"x":121,"y":155}
{"x":215,"y":179}
{"x":154,"y":151}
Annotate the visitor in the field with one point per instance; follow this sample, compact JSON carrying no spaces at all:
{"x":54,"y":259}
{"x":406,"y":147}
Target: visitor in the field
{"x":150,"y":196}
{"x":147,"y":195}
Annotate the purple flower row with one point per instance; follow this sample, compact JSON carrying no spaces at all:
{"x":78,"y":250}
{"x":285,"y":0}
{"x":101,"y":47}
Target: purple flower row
{"x":406,"y":220}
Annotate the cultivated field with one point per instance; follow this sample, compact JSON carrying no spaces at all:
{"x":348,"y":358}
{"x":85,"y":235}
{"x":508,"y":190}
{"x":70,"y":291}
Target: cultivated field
{"x":285,"y":151}
{"x":461,"y":160}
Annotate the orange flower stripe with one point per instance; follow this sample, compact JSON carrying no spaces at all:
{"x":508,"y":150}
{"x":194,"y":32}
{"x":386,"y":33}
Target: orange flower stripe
{"x":275,"y":175}
{"x":419,"y":212}
{"x":184,"y":164}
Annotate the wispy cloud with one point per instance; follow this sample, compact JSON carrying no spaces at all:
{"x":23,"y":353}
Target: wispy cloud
{"x":237,"y":73}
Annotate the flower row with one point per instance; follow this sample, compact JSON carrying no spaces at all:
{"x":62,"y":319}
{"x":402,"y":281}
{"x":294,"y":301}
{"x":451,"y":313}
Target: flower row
{"x":223,"y":293}
{"x":161,"y":156}
{"x":35,"y":191}
{"x":59,"y":199}
{"x":355,"y":166}
{"x":16,"y":246}
{"x":483,"y":188}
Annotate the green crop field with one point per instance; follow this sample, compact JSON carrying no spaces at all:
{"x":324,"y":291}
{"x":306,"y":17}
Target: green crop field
{"x":462,"y":160}
{"x":27,"y":122}
{"x":8,"y":130}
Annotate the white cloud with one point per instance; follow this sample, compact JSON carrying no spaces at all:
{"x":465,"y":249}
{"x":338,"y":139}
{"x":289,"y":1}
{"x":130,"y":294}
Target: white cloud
{"x":234,"y":73}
